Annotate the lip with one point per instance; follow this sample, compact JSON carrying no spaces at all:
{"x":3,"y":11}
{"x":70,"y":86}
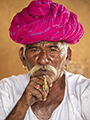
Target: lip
{"x":43,"y":71}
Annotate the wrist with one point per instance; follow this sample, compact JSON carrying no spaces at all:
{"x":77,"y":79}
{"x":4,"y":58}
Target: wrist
{"x":23,"y":103}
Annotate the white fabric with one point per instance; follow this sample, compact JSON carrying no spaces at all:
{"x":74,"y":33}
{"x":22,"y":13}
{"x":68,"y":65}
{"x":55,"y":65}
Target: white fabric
{"x":75,"y":105}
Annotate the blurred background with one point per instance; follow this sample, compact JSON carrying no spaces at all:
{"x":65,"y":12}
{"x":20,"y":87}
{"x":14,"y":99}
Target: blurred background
{"x":10,"y":63}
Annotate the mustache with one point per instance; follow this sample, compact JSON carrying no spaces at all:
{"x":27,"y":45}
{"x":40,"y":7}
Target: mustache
{"x":45,"y":67}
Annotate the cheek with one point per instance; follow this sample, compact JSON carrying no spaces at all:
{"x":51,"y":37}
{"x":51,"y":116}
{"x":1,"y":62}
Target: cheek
{"x":53,"y":60}
{"x":60,"y":62}
{"x":32,"y":60}
{"x":58,"y":58}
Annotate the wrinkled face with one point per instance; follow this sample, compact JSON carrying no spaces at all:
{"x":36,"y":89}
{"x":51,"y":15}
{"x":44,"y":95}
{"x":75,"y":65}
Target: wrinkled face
{"x":46,"y":53}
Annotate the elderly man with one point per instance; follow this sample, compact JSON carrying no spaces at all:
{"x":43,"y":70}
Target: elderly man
{"x":47,"y":92}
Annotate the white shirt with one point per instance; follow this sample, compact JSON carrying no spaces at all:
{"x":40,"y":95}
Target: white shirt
{"x":75,"y":105}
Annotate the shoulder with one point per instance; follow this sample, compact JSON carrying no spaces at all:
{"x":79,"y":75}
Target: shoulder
{"x":11,"y":89}
{"x":14,"y":77}
{"x":76,"y":82}
{"x":79,"y":92}
{"x":13,"y":82}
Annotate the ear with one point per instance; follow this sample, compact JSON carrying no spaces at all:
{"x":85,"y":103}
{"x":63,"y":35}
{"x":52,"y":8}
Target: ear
{"x":69,"y":55}
{"x":22,"y":58}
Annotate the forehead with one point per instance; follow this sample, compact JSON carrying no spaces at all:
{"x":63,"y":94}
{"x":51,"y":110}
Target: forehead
{"x":45,"y":43}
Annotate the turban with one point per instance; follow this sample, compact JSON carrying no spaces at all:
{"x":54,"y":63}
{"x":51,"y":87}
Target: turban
{"x":44,"y":20}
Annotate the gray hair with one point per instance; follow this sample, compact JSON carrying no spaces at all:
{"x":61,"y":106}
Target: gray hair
{"x":63,"y":47}
{"x":24,"y":49}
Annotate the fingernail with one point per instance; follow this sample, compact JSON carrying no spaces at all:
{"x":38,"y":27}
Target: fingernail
{"x":44,"y":76}
{"x":44,"y":99}
{"x":51,"y":85}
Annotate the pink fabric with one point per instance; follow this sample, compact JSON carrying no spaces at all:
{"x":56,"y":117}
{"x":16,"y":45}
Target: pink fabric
{"x":47,"y":21}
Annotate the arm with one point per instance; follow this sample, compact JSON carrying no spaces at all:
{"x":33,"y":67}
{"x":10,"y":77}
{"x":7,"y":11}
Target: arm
{"x":18,"y":112}
{"x":29,"y":97}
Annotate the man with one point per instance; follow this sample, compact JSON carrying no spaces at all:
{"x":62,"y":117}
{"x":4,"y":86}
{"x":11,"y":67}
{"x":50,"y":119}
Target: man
{"x":47,"y":92}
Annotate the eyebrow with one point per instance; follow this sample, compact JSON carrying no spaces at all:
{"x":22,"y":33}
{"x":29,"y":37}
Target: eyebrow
{"x":55,"y":46}
{"x":30,"y":47}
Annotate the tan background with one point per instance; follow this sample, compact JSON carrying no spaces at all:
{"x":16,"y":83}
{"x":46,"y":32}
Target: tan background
{"x":9,"y":59}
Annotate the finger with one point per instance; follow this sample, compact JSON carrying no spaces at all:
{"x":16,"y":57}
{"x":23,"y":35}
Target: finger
{"x":49,"y":80}
{"x":35,"y":85}
{"x":39,"y":87}
{"x":38,"y":93}
{"x":37,"y":80}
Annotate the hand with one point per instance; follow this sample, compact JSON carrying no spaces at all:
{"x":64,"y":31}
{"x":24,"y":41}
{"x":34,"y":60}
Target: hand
{"x":33,"y":94}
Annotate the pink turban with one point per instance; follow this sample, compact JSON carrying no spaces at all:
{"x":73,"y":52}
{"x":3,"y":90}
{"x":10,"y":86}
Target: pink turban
{"x":44,"y":20}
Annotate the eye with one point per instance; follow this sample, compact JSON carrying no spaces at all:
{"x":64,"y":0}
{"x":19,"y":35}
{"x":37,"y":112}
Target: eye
{"x":53,"y":49}
{"x":34,"y":50}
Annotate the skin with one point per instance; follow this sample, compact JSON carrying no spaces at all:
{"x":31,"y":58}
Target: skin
{"x":42,"y":102}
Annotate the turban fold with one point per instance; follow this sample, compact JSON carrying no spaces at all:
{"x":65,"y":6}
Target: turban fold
{"x":44,"y":20}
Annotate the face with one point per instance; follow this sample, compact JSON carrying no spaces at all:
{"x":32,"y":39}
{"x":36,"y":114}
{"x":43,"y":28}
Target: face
{"x":46,"y":53}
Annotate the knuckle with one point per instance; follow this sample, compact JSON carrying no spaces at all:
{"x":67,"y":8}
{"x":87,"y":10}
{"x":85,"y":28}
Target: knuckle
{"x":37,"y":80}
{"x":39,"y":96}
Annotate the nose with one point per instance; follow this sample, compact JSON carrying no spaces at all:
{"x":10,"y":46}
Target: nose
{"x":43,"y":58}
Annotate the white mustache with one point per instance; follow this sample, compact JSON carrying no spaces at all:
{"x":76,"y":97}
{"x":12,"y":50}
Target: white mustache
{"x":46,"y":67}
